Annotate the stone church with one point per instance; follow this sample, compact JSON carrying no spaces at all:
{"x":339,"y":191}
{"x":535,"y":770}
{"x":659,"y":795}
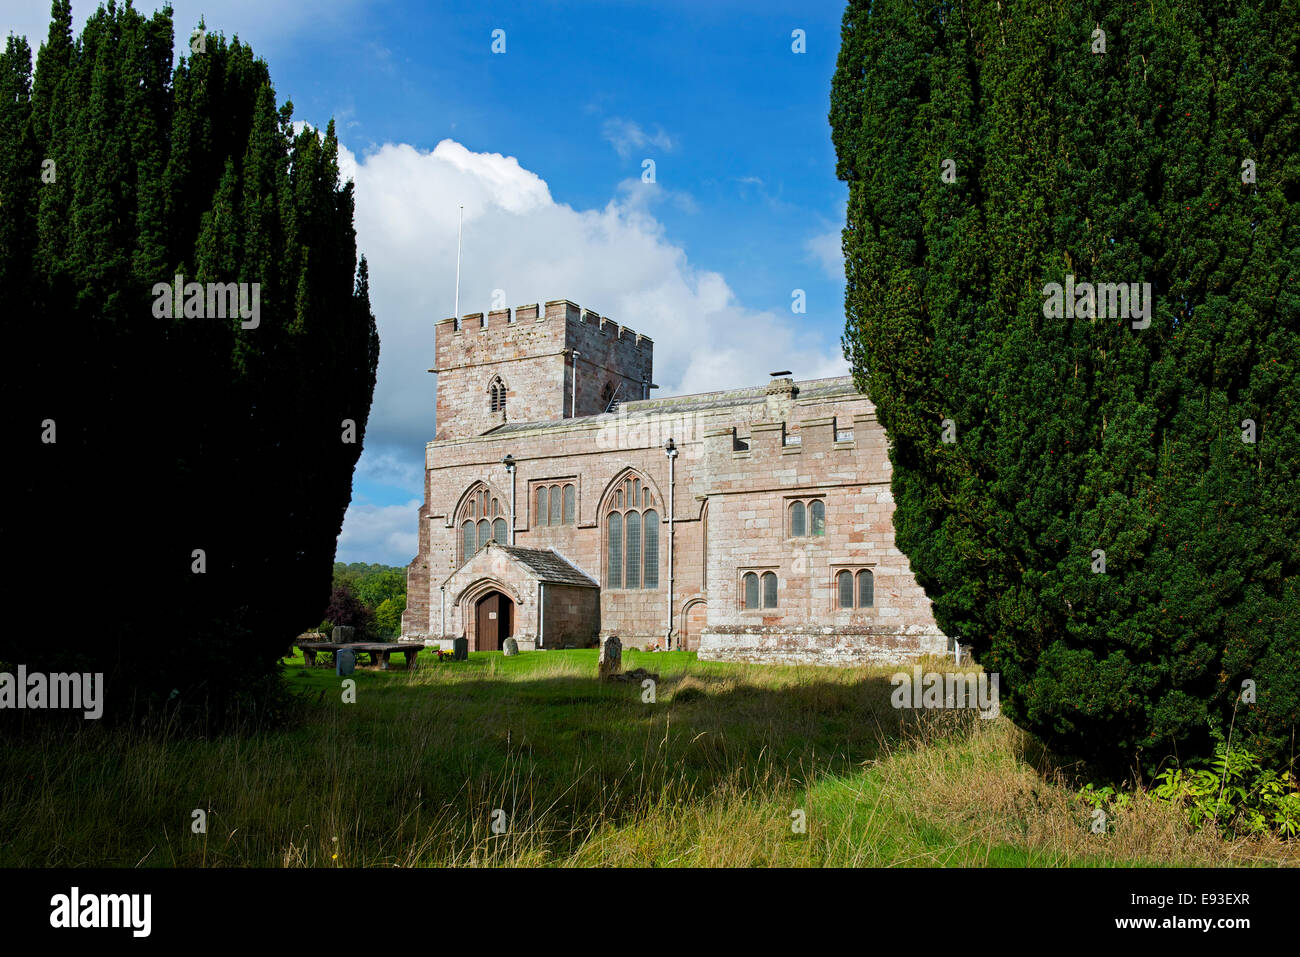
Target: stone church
{"x":562,"y":503}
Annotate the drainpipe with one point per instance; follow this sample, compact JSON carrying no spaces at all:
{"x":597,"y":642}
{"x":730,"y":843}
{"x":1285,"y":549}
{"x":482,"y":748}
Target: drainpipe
{"x":442,"y":627}
{"x":671,"y":450}
{"x":509,"y":462}
{"x":541,"y":611}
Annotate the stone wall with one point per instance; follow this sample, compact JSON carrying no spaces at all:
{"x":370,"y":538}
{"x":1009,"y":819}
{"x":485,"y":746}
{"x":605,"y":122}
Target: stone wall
{"x":754,"y":481}
{"x":571,"y":616}
{"x":744,"y":456}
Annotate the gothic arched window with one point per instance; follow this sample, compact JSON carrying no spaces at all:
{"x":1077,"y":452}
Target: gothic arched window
{"x":632,"y":538}
{"x":480,"y":519}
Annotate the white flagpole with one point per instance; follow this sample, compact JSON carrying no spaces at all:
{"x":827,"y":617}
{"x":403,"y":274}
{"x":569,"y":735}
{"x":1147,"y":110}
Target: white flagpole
{"x":459,"y":227}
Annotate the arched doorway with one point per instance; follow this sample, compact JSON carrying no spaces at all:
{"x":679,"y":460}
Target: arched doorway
{"x":694,"y":618}
{"x":494,"y":615}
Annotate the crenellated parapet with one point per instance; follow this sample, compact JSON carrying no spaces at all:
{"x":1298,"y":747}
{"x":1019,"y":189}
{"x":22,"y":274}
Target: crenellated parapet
{"x":534,"y":363}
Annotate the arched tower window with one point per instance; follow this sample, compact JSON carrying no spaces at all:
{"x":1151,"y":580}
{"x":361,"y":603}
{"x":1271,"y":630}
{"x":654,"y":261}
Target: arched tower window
{"x":496,"y":395}
{"x":632,"y":538}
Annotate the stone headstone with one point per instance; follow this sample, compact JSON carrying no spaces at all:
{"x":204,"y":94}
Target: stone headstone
{"x":345,"y":661}
{"x":460,"y":649}
{"x":611,"y":658}
{"x":509,"y":647}
{"x":343,"y":634}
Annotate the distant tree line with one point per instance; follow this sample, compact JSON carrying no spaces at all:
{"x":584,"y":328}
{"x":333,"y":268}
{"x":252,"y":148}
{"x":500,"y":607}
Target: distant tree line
{"x":370,"y":598}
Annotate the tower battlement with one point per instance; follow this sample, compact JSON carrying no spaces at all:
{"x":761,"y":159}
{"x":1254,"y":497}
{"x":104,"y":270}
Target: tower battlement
{"x":518,"y":365}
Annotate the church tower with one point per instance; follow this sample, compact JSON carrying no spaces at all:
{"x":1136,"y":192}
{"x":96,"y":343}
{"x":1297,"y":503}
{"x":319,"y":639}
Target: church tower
{"x":530,"y":366}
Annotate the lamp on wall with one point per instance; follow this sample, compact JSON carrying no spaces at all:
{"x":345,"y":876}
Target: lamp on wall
{"x":509,"y":463}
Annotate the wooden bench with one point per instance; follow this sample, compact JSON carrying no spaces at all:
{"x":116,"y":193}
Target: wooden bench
{"x":378,"y":651}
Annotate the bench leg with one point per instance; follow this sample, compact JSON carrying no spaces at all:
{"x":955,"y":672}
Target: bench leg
{"x":383,"y":660}
{"x":411,"y":654}
{"x":309,"y":656}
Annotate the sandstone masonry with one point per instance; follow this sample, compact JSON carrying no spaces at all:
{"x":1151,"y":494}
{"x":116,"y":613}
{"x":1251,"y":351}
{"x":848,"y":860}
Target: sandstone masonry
{"x":777,"y":515}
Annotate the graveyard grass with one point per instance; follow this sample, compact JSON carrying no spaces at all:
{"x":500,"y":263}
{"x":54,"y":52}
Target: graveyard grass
{"x":710,"y":774}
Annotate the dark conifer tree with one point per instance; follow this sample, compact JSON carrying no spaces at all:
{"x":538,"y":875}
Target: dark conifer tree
{"x":178,"y":435}
{"x":1076,"y":435}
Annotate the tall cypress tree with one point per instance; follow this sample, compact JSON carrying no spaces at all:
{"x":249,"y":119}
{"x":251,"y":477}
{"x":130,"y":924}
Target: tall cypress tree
{"x":1077,"y":434}
{"x":183,"y":521}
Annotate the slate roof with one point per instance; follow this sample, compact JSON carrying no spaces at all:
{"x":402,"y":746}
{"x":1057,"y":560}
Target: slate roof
{"x":548,"y":565}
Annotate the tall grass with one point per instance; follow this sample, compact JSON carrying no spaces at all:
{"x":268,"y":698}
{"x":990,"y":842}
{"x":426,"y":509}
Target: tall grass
{"x":583,"y":774}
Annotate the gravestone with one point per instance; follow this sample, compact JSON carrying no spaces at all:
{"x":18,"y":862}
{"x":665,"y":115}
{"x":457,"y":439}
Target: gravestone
{"x":460,"y":649}
{"x":343,"y":634}
{"x":509,"y":647}
{"x":611,"y":658}
{"x":345,"y":661}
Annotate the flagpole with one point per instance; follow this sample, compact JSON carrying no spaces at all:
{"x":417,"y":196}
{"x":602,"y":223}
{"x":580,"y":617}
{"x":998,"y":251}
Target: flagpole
{"x":459,"y":227}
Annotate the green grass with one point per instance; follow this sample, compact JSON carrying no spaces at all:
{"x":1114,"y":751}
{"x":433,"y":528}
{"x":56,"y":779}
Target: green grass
{"x":587,"y":774}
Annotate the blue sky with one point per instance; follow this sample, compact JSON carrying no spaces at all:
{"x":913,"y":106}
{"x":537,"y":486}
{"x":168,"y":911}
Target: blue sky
{"x":544,"y":145}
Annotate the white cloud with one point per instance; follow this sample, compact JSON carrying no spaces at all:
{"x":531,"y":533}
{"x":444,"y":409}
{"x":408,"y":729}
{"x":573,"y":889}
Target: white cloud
{"x":616,"y":260}
{"x":825,"y":248}
{"x":627,"y":137}
{"x":379,"y":533}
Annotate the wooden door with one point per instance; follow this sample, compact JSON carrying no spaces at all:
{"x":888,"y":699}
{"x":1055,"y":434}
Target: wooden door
{"x":495,"y":614}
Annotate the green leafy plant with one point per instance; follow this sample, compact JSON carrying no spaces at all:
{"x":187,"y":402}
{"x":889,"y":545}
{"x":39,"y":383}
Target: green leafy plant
{"x":1236,"y":794}
{"x":1107,"y":799}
